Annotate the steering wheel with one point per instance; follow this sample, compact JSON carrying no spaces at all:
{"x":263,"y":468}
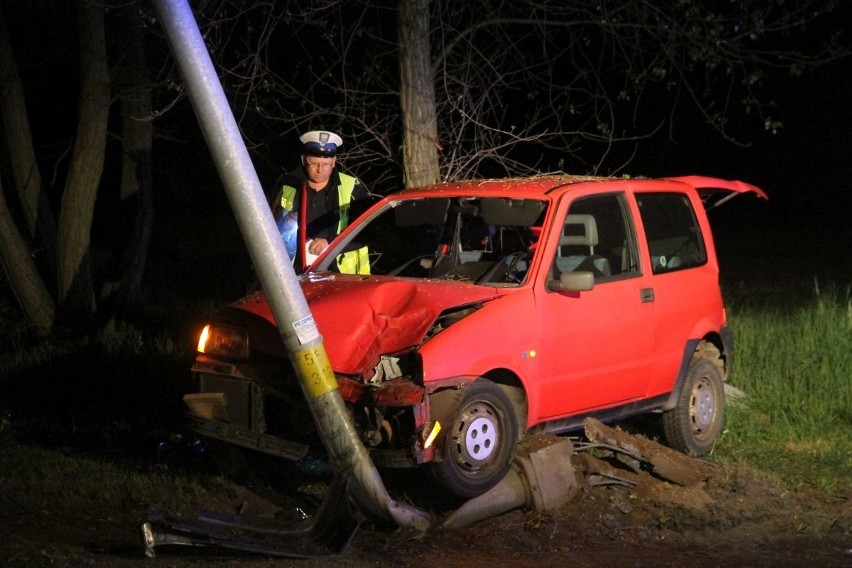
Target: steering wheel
{"x":502,"y":269}
{"x":402,"y":267}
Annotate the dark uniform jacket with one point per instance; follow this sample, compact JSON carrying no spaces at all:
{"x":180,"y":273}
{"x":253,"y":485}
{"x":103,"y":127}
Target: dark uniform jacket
{"x":323,"y":210}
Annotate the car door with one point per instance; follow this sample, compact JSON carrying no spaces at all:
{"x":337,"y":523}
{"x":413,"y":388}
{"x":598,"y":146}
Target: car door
{"x":684,"y":275}
{"x":597,"y":345}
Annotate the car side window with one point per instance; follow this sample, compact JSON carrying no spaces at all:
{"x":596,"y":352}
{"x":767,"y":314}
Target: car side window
{"x":598,"y":237}
{"x":674,"y":237}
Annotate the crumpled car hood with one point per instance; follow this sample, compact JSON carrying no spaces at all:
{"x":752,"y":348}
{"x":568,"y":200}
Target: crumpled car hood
{"x":361,"y":318}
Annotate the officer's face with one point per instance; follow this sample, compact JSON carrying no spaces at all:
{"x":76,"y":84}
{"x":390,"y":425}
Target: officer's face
{"x":318,"y":169}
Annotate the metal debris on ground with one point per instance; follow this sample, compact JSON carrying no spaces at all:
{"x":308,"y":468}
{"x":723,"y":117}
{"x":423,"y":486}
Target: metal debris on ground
{"x":326,"y":533}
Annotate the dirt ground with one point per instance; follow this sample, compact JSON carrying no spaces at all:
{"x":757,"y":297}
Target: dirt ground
{"x":629,"y":517}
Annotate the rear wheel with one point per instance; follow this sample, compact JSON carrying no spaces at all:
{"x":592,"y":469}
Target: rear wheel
{"x":695,"y":423}
{"x":479,"y":441}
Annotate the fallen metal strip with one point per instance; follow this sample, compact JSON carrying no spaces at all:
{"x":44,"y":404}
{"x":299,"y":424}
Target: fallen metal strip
{"x":327,"y":533}
{"x":261,"y":442}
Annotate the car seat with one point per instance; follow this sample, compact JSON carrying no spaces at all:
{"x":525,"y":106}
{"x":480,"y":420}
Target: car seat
{"x":576,"y":250}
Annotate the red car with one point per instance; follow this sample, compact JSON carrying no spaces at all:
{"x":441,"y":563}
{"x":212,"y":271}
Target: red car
{"x":494,"y":308}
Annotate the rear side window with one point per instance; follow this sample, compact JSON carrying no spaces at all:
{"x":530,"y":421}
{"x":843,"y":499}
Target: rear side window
{"x":671,"y":229}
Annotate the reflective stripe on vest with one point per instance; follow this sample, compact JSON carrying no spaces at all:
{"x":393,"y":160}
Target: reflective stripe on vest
{"x":288,"y":197}
{"x":344,"y":199}
{"x":352,"y":262}
{"x":355,"y":261}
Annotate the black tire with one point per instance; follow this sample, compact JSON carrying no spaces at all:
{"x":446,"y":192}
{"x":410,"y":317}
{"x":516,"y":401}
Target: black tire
{"x":478,"y":442}
{"x":696,"y":421}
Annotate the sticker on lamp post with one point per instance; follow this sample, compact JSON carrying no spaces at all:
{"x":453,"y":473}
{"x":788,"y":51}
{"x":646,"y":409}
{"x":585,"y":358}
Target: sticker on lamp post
{"x":306,"y":329}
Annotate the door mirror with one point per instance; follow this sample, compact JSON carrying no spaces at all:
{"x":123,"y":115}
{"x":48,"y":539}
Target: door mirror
{"x":572,"y":282}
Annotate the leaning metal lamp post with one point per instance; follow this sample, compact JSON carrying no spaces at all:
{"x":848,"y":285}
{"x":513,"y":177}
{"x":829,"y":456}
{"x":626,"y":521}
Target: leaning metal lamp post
{"x":295,"y":322}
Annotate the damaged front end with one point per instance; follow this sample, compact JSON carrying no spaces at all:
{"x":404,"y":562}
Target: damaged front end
{"x":245,"y":393}
{"x":391,"y":411}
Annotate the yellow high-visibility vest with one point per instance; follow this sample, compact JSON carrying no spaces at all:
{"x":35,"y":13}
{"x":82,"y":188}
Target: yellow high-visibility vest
{"x":352,"y":262}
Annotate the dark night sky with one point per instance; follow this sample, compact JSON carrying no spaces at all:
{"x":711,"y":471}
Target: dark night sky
{"x":805,"y":168}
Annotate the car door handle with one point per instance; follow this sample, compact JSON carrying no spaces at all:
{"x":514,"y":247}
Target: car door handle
{"x":647,"y":295}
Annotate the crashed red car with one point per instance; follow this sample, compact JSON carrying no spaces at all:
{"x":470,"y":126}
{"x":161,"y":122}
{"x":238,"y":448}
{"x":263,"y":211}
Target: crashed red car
{"x":493,"y":309}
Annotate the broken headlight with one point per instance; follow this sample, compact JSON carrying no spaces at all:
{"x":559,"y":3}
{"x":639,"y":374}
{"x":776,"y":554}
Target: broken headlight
{"x":224,"y":341}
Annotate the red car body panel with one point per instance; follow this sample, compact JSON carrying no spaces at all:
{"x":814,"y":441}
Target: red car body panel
{"x":528,"y":331}
{"x":735,"y":186}
{"x":363,"y":317}
{"x":503,"y":334}
{"x":624,"y":340}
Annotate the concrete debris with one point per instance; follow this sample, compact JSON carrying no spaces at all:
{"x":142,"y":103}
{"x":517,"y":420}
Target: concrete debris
{"x":666,"y":463}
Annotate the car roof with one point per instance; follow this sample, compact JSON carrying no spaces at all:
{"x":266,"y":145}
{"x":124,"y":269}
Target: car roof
{"x":530,"y":187}
{"x":544,"y":186}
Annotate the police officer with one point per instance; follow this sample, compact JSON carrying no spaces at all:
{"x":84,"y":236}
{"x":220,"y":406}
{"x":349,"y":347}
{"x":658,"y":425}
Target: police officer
{"x":316,"y":201}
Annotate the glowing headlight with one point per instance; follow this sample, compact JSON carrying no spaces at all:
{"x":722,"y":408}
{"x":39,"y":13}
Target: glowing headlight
{"x":224,"y":341}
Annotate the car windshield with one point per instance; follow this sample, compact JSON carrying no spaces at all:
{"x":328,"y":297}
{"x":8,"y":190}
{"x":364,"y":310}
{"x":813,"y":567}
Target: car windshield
{"x":484,"y":240}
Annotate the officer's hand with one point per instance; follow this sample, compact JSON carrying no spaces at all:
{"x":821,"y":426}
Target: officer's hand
{"x":317,"y":245}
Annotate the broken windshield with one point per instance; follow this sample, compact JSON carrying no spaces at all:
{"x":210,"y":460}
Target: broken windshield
{"x":472,"y":239}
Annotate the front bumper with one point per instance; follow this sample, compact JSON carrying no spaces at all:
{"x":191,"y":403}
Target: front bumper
{"x":264,"y":443}
{"x":234,"y":409}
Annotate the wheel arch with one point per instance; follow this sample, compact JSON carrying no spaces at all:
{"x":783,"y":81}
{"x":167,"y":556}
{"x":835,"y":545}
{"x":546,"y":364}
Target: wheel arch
{"x":442,"y":399}
{"x":480,"y":435}
{"x":512,"y":385}
{"x":717,"y":347}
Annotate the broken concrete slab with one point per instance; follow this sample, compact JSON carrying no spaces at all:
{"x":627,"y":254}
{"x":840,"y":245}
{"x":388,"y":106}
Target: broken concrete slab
{"x":666,"y":463}
{"x":542,"y":477}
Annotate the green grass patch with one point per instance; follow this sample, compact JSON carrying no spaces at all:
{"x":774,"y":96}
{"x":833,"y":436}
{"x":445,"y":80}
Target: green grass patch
{"x":793,"y":359}
{"x":37,"y":478}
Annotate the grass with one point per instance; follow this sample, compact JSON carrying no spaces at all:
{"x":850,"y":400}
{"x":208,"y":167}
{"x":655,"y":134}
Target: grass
{"x":37,"y":478}
{"x":793,"y":359}
{"x":100,"y":411}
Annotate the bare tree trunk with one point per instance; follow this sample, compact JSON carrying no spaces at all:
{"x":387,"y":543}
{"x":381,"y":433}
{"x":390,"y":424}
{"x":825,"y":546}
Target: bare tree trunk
{"x":417,"y":95}
{"x":78,"y":200}
{"x":24,"y":278}
{"x":136,"y":188}
{"x":25,"y":281}
{"x":34,"y":202}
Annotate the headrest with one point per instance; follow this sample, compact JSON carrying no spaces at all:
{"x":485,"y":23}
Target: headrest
{"x":589,"y":235}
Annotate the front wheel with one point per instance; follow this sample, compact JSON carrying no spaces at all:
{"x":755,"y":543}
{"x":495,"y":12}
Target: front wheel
{"x":479,"y":441}
{"x":695,"y":423}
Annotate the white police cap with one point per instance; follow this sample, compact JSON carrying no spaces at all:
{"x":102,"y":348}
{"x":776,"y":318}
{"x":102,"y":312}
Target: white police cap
{"x":320,"y":143}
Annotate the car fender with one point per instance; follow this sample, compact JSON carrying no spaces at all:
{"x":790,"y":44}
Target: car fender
{"x":474,"y":346}
{"x":689,"y":351}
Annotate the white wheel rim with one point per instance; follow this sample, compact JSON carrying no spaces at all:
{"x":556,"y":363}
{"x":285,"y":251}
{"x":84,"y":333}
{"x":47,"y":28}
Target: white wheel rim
{"x":481,"y":439}
{"x":705,"y":407}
